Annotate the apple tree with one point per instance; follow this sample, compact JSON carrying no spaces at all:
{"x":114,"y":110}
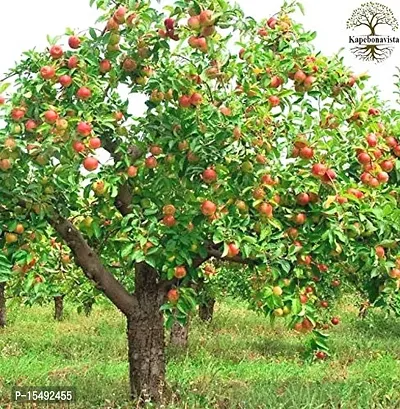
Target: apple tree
{"x":202,"y":174}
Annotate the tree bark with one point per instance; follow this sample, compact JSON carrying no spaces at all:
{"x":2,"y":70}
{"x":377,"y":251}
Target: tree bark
{"x":3,"y":319}
{"x":206,"y":310}
{"x":180,"y":334}
{"x":58,"y":307}
{"x":146,"y":337}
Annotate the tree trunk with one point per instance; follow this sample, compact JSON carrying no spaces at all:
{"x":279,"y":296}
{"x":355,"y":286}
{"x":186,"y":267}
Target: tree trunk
{"x":58,"y":307}
{"x":88,"y":307}
{"x":180,"y":334}
{"x":146,"y":337}
{"x":3,"y":320}
{"x":206,"y":310}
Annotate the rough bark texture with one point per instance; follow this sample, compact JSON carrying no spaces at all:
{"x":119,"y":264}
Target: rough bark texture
{"x":146,"y":337}
{"x":3,"y":320}
{"x":206,"y":310}
{"x":59,"y":307}
{"x":180,"y":335}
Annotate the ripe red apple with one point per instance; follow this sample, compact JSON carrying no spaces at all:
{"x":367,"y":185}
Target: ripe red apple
{"x":2,"y":100}
{"x":56,"y":52}
{"x":373,"y":112}
{"x":335,"y":320}
{"x":380,"y":251}
{"x":266,"y":209}
{"x":94,"y":143}
{"x":50,"y":116}
{"x":156,"y":150}
{"x":303,"y":199}
{"x":30,"y":125}
{"x":341,"y":199}
{"x":169,"y":210}
{"x":303,"y":298}
{"x":233,"y":250}
{"x":180,"y":272}
{"x":300,"y":218}
{"x":196,"y":99}
{"x":65,"y":81}
{"x":365,"y":178}
{"x":391,"y":141}
{"x":132,"y":171}
{"x":275,"y":82}
{"x":374,"y":182}
{"x":119,"y":15}
{"x":372,"y":139}
{"x":300,"y":76}
{"x":78,"y":146}
{"x":318,"y":169}
{"x":105,"y":66}
{"x":84,"y":93}
{"x":382,"y":177}
{"x":335,"y":283}
{"x":84,"y":128}
{"x":169,"y":220}
{"x":272,"y":22}
{"x":209,"y":175}
{"x":274,"y":100}
{"x":355,"y":192}
{"x":208,"y":208}
{"x":377,"y":153}
{"x":324,"y":304}
{"x":306,"y":152}
{"x":150,"y":162}
{"x":363,"y":158}
{"x":206,"y":18}
{"x":74,"y":42}
{"x":387,"y":165}
{"x":320,"y":355}
{"x":47,"y":72}
{"x":169,"y":23}
{"x":185,"y":101}
{"x":73,"y":62}
{"x":173,"y":296}
{"x":18,"y":113}
{"x":90,"y":163}
{"x":329,"y":176}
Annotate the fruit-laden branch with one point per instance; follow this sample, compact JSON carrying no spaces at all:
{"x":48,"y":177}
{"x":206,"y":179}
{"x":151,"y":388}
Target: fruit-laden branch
{"x":92,"y":266}
{"x":124,"y":198}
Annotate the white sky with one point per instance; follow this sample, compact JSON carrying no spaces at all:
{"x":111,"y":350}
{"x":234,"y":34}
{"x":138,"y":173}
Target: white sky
{"x":26,"y":25}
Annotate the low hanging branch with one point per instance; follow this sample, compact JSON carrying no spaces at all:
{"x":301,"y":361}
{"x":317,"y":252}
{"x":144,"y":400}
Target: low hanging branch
{"x":92,"y":266}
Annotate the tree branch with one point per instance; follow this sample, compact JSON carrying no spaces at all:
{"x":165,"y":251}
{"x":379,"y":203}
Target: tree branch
{"x":92,"y":266}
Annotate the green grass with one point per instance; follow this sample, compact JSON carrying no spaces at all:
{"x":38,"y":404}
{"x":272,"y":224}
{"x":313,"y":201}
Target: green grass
{"x":239,"y":361}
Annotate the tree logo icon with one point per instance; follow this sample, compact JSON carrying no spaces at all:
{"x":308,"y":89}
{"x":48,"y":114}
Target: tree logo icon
{"x":376,"y":18}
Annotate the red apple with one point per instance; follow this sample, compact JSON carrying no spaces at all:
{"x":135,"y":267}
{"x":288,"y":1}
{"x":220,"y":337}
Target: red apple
{"x":47,"y":72}
{"x":65,"y":80}
{"x":84,"y":128}
{"x":209,"y":175}
{"x":74,"y":42}
{"x":50,"y":116}
{"x":208,"y":208}
{"x":95,"y":143}
{"x":78,"y":146}
{"x":56,"y":52}
{"x":84,"y":93}
{"x":90,"y":163}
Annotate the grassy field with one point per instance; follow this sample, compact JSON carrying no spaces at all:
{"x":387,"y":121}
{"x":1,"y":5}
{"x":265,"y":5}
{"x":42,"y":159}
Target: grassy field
{"x":239,"y":361}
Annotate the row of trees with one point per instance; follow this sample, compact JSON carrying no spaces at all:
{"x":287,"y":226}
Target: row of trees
{"x":254,"y":149}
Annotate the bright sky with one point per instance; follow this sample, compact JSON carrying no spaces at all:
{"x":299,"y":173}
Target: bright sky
{"x":26,"y":26}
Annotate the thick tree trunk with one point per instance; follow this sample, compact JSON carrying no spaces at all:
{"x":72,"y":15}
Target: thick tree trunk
{"x":206,"y":310}
{"x":180,"y":334}
{"x":3,"y":320}
{"x":58,"y":307}
{"x":146,"y":337}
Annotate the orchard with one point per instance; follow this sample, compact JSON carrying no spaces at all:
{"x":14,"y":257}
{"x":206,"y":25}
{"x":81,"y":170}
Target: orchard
{"x":256,"y":154}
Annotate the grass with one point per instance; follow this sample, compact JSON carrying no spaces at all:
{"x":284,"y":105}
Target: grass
{"x":239,"y":361}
